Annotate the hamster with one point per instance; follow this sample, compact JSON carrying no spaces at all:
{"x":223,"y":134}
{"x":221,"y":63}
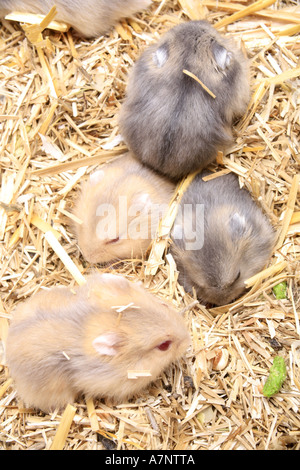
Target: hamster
{"x":120,"y":206}
{"x":90,"y":18}
{"x":167,"y":119}
{"x":220,"y":238}
{"x":66,"y":342}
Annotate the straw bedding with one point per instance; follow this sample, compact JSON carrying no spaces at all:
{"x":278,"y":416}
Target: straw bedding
{"x":60,"y":96}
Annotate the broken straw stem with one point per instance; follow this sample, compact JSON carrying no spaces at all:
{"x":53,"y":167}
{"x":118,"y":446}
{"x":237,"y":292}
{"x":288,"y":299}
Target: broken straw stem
{"x":65,"y":258}
{"x":190,"y":74}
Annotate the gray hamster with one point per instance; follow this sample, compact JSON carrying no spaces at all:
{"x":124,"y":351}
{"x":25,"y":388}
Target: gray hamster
{"x":65,"y":342}
{"x":167,"y":119}
{"x":220,"y":238}
{"x":120,"y":206}
{"x":90,"y":18}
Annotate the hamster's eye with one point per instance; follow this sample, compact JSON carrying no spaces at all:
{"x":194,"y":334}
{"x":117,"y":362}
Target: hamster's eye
{"x":113,"y":240}
{"x":164,"y":346}
{"x":236,"y":279}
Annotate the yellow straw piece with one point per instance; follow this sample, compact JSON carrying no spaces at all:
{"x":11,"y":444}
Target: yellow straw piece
{"x":34,"y":35}
{"x":162,"y":236}
{"x":63,"y":428}
{"x":33,"y":31}
{"x":289,"y":210}
{"x":123,"y":31}
{"x":46,"y":123}
{"x":216,"y":175}
{"x":15,"y":236}
{"x":282,"y":77}
{"x":134,"y":374}
{"x":65,"y":258}
{"x":279,"y":15}
{"x":289,"y":31}
{"x":33,"y":19}
{"x":190,"y":74}
{"x":259,"y":5}
{"x":276,"y":268}
{"x":103,"y":157}
{"x":92,"y":414}
{"x":44,"y":226}
{"x":193,"y":9}
{"x":5,"y":386}
{"x":295,"y":218}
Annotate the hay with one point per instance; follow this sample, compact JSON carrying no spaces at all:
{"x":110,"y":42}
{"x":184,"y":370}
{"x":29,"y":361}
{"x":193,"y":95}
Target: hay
{"x":192,"y":75}
{"x":58,"y":121}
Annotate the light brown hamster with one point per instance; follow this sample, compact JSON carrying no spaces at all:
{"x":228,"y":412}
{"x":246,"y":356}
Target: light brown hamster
{"x":90,"y":18}
{"x":120,"y":206}
{"x":220,"y":238}
{"x":66,"y":342}
{"x":167,"y":119}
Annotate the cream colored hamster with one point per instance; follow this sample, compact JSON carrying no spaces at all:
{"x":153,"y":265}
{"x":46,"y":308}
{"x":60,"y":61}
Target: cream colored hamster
{"x":90,"y":18}
{"x":120,"y":206}
{"x":65,"y":342}
{"x":220,"y":239}
{"x":167,"y":119}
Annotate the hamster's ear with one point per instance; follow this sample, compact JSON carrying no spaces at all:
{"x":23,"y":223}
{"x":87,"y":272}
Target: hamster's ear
{"x":222,"y":56}
{"x":161,"y":55}
{"x":237,"y":224}
{"x":107,"y":344}
{"x":96,"y":177}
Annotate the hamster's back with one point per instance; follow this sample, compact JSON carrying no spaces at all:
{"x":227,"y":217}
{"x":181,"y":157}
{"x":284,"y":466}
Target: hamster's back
{"x":169,"y":121}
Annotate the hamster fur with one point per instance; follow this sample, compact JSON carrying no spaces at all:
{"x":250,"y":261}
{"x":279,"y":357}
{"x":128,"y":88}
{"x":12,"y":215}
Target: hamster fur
{"x":90,"y":18}
{"x":65,"y":342}
{"x":120,"y":206}
{"x":167,"y":119}
{"x":234,"y":239}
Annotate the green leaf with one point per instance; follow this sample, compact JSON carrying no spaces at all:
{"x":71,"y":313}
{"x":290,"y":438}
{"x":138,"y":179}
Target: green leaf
{"x":277,"y":376}
{"x":280,"y":290}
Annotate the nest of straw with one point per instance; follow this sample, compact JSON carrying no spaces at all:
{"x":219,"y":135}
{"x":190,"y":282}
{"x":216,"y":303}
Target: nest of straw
{"x":60,"y":96}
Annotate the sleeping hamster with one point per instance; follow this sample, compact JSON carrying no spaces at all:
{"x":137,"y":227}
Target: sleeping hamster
{"x":120,"y":207}
{"x":220,"y":239}
{"x":65,"y":342}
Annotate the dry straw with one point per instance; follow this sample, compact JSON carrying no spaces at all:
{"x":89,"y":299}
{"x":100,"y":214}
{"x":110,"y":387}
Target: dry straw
{"x":60,"y":96}
{"x":192,"y":75}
